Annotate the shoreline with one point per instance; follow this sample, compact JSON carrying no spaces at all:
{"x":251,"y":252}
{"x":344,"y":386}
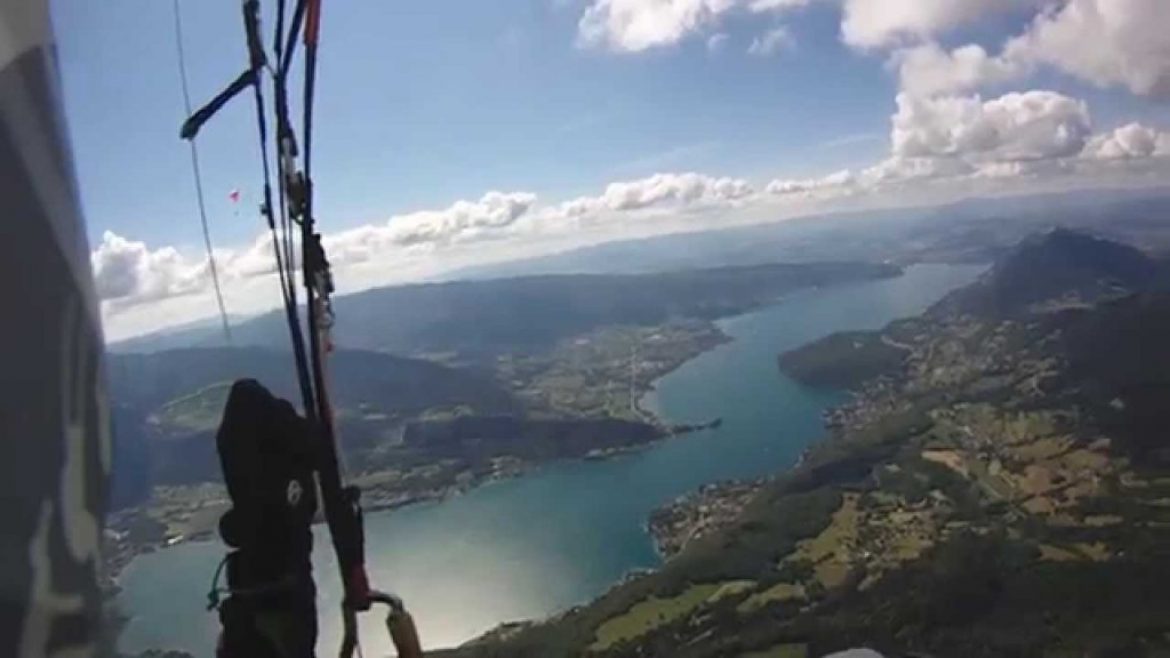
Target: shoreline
{"x":376,"y":499}
{"x":699,"y":513}
{"x":373,"y":502}
{"x":112,"y":569}
{"x":112,"y":586}
{"x":649,"y":413}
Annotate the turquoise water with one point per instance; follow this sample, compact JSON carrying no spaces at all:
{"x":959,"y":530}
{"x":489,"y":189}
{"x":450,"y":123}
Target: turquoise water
{"x":537,"y":544}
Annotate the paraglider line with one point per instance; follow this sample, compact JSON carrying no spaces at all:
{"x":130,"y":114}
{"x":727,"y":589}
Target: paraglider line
{"x":227,"y":331}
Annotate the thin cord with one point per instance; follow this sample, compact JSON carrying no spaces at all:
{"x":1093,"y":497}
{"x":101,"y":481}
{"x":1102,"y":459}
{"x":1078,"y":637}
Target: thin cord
{"x":227,"y":331}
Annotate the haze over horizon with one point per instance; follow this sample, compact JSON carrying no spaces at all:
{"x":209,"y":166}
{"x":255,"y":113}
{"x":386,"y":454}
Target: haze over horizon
{"x":454,"y":133}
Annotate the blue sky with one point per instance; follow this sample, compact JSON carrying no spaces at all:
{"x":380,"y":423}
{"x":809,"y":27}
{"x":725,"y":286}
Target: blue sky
{"x":424,"y":104}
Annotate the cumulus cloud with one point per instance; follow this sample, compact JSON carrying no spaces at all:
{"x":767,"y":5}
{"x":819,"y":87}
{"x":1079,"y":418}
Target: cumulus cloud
{"x":687,"y":189}
{"x":1033,"y":125}
{"x":835,"y":184}
{"x":771,"y":42}
{"x":1106,"y":42}
{"x":881,"y":23}
{"x":129,"y":271}
{"x":1030,"y":136}
{"x":671,"y":191}
{"x":256,"y":259}
{"x":636,"y":25}
{"x":928,"y":69}
{"x":938,"y":143}
{"x":898,"y":169}
{"x":462,"y":220}
{"x":1129,"y":142}
{"x":1019,"y":170}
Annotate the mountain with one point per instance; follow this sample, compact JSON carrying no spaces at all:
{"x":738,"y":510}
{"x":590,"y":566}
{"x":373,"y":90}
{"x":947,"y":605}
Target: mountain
{"x":1119,"y":360}
{"x":793,"y":240}
{"x":200,"y":332}
{"x":1059,"y":269}
{"x":484,"y":318}
{"x":971,"y":230}
{"x":395,"y":384}
{"x":1058,"y":266}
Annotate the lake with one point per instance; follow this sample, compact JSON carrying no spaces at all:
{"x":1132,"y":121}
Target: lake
{"x":531,"y":546}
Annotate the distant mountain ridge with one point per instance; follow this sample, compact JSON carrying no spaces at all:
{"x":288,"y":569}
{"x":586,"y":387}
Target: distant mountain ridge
{"x":397,"y":384}
{"x":1056,"y":270}
{"x":969,"y":230}
{"x":1060,"y":263}
{"x":204,"y":331}
{"x":532,"y":313}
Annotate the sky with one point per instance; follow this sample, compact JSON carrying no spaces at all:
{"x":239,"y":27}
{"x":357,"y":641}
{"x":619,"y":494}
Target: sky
{"x":451,"y":133}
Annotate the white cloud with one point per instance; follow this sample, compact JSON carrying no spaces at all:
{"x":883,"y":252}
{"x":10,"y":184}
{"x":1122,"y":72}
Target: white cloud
{"x":491,"y":216}
{"x":1107,"y":42}
{"x":942,"y":147}
{"x":771,"y":42}
{"x":896,"y":169}
{"x":928,"y":69}
{"x":1025,"y":169}
{"x":1129,"y":142}
{"x":836,"y":184}
{"x":1034,"y":125}
{"x":760,"y":6}
{"x":637,"y":25}
{"x":717,"y":41}
{"x":257,"y":259}
{"x":130,"y":272}
{"x":684,"y":189}
{"x":940,"y":140}
{"x":881,"y":23}
{"x":671,"y":191}
{"x":462,"y":220}
{"x":1016,"y":139}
